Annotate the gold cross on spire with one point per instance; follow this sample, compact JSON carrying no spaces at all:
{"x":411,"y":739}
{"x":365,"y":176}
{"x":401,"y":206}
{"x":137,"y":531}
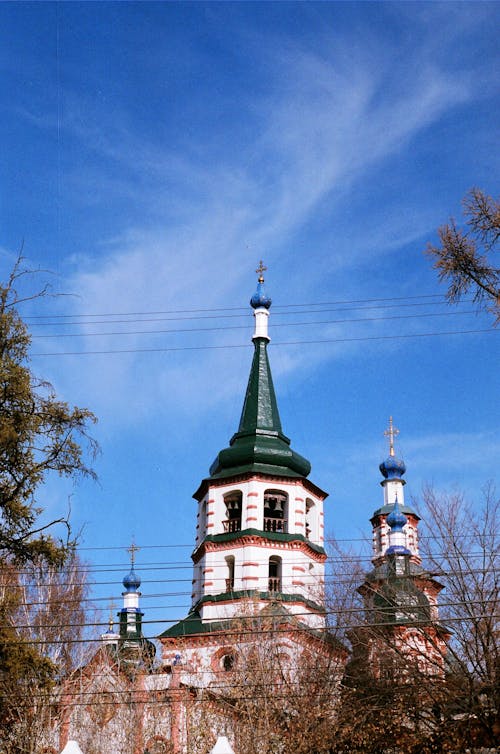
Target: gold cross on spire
{"x":132,"y":550}
{"x":261,"y":269}
{"x":391,"y":433}
{"x":111,"y":609}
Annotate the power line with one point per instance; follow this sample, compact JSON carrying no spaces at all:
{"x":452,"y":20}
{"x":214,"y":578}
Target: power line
{"x":244,"y":309}
{"x":330,"y":612}
{"x":283,"y":343}
{"x":224,"y":328}
{"x":161,"y":565}
{"x":246,"y":316}
{"x":252,"y":626}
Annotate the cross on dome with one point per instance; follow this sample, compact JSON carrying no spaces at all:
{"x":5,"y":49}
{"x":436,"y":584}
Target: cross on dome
{"x":111,"y":610}
{"x":132,"y":550}
{"x":391,"y":432}
{"x":260,"y":270}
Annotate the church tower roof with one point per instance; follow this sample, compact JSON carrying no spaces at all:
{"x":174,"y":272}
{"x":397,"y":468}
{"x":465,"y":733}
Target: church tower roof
{"x":133,"y":646}
{"x":260,"y":444}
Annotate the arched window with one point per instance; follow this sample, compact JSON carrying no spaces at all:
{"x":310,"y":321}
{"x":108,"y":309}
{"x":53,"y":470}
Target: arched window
{"x":228,"y":662}
{"x":310,"y":519}
{"x":224,"y":659}
{"x":274,"y":574}
{"x":233,"y":503}
{"x":275,"y":510}
{"x":203,"y":519}
{"x":230,"y":573}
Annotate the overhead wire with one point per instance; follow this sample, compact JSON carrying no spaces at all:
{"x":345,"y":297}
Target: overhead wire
{"x":218,"y":310}
{"x":250,"y":626}
{"x":413,"y":335}
{"x":328,"y":540}
{"x":245,"y":327}
{"x":275,"y":343}
{"x":329,"y":579}
{"x":228,"y":312}
{"x":88,"y":569}
{"x":251,"y":631}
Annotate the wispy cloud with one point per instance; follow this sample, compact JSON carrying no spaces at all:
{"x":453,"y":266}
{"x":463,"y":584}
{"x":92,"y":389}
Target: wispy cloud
{"x":329,"y":123}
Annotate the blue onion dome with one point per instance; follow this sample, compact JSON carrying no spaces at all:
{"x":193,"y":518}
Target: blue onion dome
{"x":260,"y":298}
{"x":132,"y":581}
{"x":392,"y":468}
{"x":396,"y":518}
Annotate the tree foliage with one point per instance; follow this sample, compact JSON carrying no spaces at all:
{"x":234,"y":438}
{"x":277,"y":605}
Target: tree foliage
{"x":283,"y":687}
{"x":449,"y":706}
{"x":40,"y":591}
{"x":42,"y":624}
{"x":464,"y":550}
{"x":462,"y":258}
{"x":39,"y":434}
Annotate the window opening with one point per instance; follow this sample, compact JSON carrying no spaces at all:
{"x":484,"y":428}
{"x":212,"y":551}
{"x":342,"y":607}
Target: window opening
{"x":228,"y":662}
{"x":233,"y":503}
{"x":274,"y":574}
{"x":230,"y":573}
{"x":275,"y":511}
{"x":309,"y":517}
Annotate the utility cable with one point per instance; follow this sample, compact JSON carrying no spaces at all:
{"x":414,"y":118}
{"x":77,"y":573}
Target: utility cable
{"x":275,"y":344}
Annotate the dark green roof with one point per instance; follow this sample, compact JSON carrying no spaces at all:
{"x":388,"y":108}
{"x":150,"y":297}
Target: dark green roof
{"x":193,"y":625}
{"x":386,"y":509}
{"x":259,"y":444}
{"x":401,"y":601}
{"x":273,"y":536}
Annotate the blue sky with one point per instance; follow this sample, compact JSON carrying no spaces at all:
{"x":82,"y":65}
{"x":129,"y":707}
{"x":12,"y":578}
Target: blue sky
{"x":153,"y":153}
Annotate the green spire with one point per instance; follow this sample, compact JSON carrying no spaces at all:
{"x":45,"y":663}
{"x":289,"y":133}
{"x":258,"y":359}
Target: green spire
{"x":260,"y":409}
{"x":259,"y":444}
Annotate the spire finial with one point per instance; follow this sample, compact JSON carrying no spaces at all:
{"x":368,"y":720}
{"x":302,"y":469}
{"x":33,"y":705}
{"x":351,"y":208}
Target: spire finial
{"x":132,"y":550}
{"x":112,"y":606}
{"x":260,"y":270}
{"x":391,"y":432}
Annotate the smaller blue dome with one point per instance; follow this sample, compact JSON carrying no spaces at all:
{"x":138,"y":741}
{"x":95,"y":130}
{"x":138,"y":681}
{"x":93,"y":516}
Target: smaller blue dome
{"x":397,"y":550}
{"x":396,"y":518}
{"x":132,"y":581}
{"x":260,"y":298}
{"x":392,"y":468}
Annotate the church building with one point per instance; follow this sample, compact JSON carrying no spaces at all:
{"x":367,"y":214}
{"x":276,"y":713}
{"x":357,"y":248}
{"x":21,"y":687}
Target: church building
{"x":257,"y":587}
{"x":260,"y":529}
{"x":402,"y":636}
{"x":258,"y":581}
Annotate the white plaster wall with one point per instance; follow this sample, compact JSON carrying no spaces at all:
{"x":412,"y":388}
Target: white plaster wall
{"x":393,"y":488}
{"x":381,"y":539}
{"x":300,"y":573}
{"x":253,"y":507}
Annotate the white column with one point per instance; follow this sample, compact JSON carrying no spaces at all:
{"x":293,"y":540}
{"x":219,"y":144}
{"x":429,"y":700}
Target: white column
{"x":261,"y":323}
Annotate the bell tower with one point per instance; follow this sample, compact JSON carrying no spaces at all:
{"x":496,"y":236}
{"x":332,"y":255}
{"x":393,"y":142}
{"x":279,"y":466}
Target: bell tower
{"x":258,"y":556}
{"x":400,"y":597}
{"x":260,"y":520}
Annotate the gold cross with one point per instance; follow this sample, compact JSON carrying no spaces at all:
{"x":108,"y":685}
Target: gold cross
{"x":132,"y":550}
{"x":391,"y":433}
{"x":111,"y":609}
{"x":260,"y":269}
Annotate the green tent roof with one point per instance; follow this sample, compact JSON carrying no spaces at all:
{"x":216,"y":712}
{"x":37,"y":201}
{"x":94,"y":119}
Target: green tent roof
{"x":259,"y":444}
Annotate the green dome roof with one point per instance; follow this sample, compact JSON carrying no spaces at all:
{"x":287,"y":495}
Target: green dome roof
{"x":399,"y":600}
{"x":259,"y":444}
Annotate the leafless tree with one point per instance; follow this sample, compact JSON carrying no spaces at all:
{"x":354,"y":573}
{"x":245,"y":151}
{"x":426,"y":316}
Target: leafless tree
{"x":462,"y":258}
